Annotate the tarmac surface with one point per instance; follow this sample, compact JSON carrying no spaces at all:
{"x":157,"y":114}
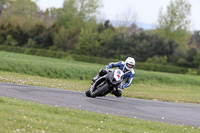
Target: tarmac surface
{"x":172,"y":113}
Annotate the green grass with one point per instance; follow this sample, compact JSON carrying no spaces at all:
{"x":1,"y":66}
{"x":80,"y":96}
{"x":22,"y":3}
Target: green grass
{"x":161,"y":92}
{"x":67,"y":69}
{"x":74,"y":75}
{"x":47,"y":67}
{"x":21,"y":116}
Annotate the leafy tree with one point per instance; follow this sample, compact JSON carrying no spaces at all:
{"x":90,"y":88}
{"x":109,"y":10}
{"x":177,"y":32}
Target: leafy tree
{"x":107,"y":48}
{"x":49,"y":16}
{"x":20,"y":36}
{"x":88,"y":43}
{"x":75,"y":12}
{"x":10,"y":41}
{"x":190,"y":54}
{"x":95,"y":41}
{"x":184,"y":57}
{"x":182,"y":62}
{"x":143,"y":46}
{"x":4,"y":5}
{"x":23,"y":13}
{"x":179,"y":53}
{"x":47,"y":37}
{"x":197,"y":60}
{"x":65,"y":39}
{"x":36,"y":36}
{"x":174,"y":24}
{"x":157,"y":59}
{"x":88,"y":9}
{"x":25,"y":8}
{"x":1,"y":40}
{"x":31,"y":43}
{"x":104,"y":26}
{"x":195,"y":39}
{"x":75,"y":17}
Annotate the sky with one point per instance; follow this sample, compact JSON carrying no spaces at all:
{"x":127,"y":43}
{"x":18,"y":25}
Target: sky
{"x":145,"y":12}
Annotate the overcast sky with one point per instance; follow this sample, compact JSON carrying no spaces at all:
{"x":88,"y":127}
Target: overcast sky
{"x":146,"y":11}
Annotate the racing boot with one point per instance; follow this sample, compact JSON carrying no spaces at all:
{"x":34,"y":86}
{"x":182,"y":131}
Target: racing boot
{"x":117,"y":92}
{"x":102,"y":72}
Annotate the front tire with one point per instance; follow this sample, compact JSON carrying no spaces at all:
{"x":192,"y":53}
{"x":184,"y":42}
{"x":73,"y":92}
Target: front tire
{"x":88,"y":93}
{"x":100,"y":90}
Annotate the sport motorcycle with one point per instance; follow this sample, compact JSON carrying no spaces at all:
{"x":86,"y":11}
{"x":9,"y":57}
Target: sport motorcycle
{"x":105,"y":84}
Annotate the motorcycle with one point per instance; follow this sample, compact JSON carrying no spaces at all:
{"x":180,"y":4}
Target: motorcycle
{"x":106,"y":83}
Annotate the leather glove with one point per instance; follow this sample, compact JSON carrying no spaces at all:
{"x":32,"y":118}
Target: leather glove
{"x":122,"y":86}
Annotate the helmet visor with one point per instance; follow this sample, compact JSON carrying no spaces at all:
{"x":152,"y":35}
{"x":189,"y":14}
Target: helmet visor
{"x":129,"y":65}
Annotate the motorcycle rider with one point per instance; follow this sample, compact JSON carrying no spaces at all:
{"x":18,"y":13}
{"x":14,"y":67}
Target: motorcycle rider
{"x":126,"y":67}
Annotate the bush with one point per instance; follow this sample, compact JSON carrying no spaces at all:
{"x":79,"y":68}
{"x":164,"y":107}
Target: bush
{"x":161,"y":68}
{"x":30,"y":51}
{"x":192,"y":71}
{"x":12,"y":49}
{"x":33,"y":51}
{"x":196,"y":60}
{"x":10,"y":41}
{"x":157,"y":59}
{"x":181,"y":62}
{"x":93,"y":59}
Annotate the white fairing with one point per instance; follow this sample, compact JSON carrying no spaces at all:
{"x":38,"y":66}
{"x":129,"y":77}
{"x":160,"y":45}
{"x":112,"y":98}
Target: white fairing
{"x":118,"y":74}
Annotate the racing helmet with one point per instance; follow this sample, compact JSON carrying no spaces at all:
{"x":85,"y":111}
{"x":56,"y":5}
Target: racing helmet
{"x":129,"y":63}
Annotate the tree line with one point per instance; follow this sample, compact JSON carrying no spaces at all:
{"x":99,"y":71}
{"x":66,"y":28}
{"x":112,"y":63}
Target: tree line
{"x":74,"y":29}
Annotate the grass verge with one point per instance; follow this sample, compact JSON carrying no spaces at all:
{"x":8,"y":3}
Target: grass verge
{"x":180,"y":93}
{"x":22,"y":116}
{"x":67,"y":69}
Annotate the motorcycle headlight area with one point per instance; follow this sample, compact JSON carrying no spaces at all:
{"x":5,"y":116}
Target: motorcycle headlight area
{"x":118,"y":74}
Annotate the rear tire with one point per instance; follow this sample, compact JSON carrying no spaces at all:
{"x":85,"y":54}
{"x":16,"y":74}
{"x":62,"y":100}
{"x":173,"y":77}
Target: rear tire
{"x":100,"y":90}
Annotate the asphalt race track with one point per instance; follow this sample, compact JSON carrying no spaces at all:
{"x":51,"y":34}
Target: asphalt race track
{"x":181,"y":114}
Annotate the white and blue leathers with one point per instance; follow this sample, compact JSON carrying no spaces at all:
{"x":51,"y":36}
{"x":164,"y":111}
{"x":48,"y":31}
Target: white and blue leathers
{"x":128,"y":75}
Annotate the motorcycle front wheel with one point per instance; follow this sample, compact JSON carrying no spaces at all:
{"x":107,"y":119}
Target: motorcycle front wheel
{"x":99,"y":90}
{"x":88,"y":93}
